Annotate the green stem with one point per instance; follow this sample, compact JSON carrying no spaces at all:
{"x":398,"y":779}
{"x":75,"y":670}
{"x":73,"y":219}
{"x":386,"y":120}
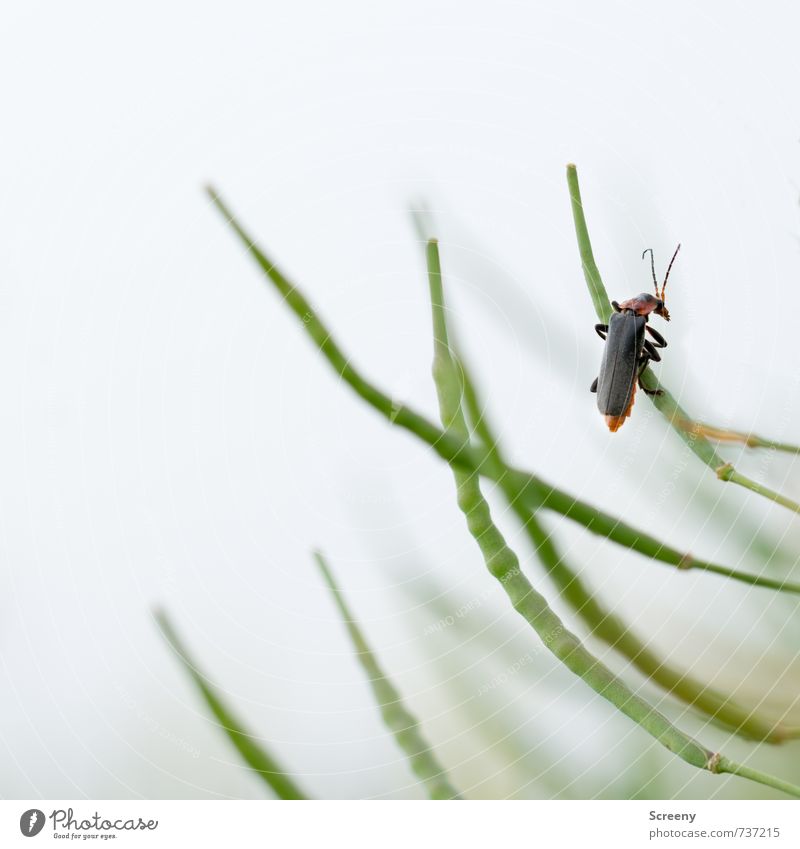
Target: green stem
{"x":264,"y":764}
{"x":755,"y":539}
{"x":665,"y":402}
{"x":597,"y":291}
{"x":728,"y":473}
{"x":605,"y":625}
{"x":469,"y":461}
{"x":399,"y":414}
{"x":609,"y":628}
{"x":723,"y":765}
{"x":503,"y":564}
{"x":606,"y":525}
{"x":530,"y":488}
{"x":400,"y":721}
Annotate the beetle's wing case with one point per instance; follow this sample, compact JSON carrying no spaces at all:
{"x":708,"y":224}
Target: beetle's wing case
{"x":618,"y":370}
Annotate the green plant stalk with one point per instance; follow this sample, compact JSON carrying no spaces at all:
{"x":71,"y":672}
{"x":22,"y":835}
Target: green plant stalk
{"x":723,"y":765}
{"x":728,"y":473}
{"x":503,"y":564}
{"x":754,"y":538}
{"x":531,"y":489}
{"x":454,"y":451}
{"x":265,"y":766}
{"x":605,"y":625}
{"x":485,"y":714}
{"x":398,"y":719}
{"x":606,"y":525}
{"x":608,"y":627}
{"x":534,"y":492}
{"x":665,"y":403}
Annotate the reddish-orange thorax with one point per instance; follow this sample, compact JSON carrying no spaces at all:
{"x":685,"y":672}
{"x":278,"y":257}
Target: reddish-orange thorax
{"x":644,"y":304}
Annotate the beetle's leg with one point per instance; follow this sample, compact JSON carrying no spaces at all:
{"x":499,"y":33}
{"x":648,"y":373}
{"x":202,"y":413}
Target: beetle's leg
{"x":649,"y":391}
{"x":642,"y":366}
{"x":658,"y":340}
{"x":650,"y":350}
{"x":601,"y":330}
{"x":616,"y":306}
{"x":593,"y":387}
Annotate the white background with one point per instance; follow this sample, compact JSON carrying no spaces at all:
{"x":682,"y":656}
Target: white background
{"x":168,"y":437}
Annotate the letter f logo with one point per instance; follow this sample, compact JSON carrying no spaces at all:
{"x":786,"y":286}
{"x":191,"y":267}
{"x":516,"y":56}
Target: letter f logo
{"x":31,"y":822}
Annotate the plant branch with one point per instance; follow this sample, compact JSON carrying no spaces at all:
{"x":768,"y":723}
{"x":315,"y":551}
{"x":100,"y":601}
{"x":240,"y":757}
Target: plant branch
{"x":445,"y":446}
{"x":665,"y":403}
{"x":530,"y":488}
{"x":403,"y":725}
{"x":265,"y":766}
{"x":469,"y":462}
{"x":503,"y":564}
{"x":604,"y":524}
{"x":723,"y":765}
{"x":605,"y":625}
{"x":755,"y":538}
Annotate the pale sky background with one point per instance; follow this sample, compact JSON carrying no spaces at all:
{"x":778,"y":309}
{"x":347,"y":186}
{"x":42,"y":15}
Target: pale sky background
{"x":169,"y":437}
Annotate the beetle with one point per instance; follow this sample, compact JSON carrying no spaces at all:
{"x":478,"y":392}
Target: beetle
{"x":627,"y":351}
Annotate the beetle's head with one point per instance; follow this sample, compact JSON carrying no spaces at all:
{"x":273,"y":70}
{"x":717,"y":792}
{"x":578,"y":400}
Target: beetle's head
{"x":661,"y":309}
{"x":656,"y":304}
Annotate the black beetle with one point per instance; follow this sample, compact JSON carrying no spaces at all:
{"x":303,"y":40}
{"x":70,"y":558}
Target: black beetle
{"x":627,"y":352}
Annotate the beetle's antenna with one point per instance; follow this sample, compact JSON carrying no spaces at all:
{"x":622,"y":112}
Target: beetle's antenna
{"x":669,"y":268}
{"x":652,"y":267}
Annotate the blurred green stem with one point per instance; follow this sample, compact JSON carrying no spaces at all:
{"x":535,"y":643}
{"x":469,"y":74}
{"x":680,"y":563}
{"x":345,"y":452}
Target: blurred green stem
{"x":466,"y":464}
{"x":503,"y":564}
{"x":397,"y":718}
{"x":254,"y":754}
{"x":605,"y":625}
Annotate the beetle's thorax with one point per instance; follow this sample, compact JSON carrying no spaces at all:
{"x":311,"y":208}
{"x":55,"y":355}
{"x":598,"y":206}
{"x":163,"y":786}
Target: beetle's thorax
{"x":644,"y":304}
